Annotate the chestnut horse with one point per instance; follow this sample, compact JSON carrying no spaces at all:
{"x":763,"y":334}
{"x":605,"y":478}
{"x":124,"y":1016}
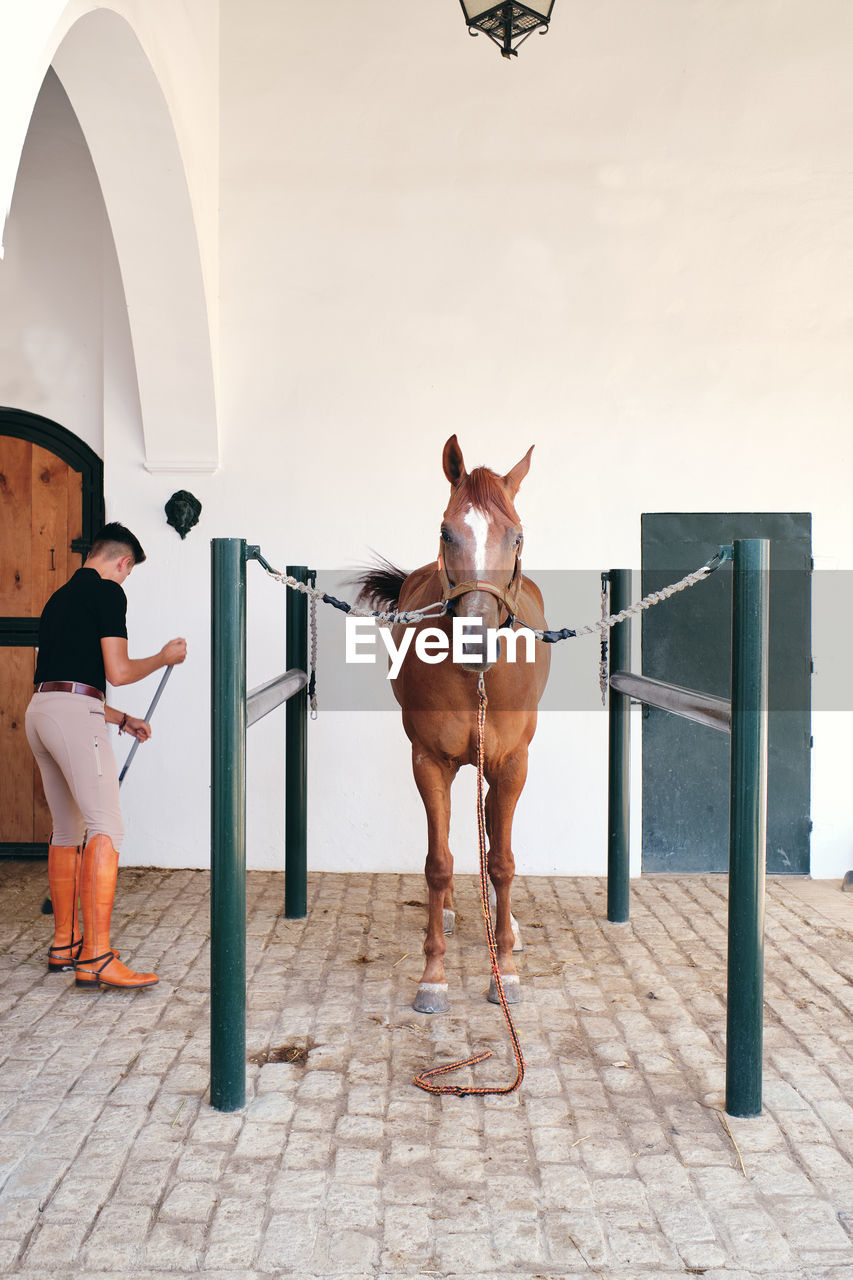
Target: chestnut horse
{"x":478,"y":572}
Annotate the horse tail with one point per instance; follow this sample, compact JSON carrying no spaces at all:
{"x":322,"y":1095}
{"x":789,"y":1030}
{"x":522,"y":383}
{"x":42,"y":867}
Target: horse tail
{"x":380,"y":585}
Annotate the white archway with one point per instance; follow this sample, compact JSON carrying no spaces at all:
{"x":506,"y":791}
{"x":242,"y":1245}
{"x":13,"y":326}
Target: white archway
{"x":130,"y":133}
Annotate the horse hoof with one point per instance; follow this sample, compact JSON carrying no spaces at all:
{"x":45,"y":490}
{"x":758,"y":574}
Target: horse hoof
{"x":431,"y":997}
{"x":512,"y":989}
{"x":449,"y":921}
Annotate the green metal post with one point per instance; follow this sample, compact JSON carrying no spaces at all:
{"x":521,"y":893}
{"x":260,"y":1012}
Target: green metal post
{"x":228,"y":825}
{"x":619,"y":757}
{"x":748,"y":826}
{"x":296,"y":757}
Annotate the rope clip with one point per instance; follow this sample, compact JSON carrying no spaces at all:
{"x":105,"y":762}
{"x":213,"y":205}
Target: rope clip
{"x":254,"y":553}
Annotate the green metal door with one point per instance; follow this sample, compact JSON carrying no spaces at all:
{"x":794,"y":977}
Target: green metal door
{"x":687,"y":641}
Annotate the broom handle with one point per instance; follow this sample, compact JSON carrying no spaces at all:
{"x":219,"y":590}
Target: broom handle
{"x":148,"y":714}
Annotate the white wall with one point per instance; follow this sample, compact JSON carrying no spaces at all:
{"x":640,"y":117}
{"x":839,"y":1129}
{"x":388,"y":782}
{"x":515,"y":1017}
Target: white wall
{"x":50,"y":281}
{"x":182,"y":43}
{"x":630,"y":244}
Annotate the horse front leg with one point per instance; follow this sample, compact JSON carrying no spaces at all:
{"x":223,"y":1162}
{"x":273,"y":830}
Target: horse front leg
{"x":433,"y":778}
{"x":505,"y":786}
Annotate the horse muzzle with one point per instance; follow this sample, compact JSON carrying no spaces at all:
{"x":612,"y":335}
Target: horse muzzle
{"x":507,"y":597}
{"x":476,"y":646}
{"x":493,"y":600}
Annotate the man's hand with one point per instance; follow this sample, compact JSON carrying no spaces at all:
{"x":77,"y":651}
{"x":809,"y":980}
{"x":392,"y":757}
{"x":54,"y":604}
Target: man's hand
{"x":139,"y":729}
{"x":174,"y":652}
{"x":121,"y":669}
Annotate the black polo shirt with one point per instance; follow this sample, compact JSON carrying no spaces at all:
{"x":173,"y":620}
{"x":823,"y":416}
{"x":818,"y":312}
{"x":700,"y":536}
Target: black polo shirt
{"x":73,"y":622}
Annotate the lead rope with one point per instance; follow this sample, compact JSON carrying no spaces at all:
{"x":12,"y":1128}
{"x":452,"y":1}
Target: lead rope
{"x":423,"y":1081}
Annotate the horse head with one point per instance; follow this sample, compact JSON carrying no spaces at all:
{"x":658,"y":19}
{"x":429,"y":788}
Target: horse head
{"x":479,"y":561}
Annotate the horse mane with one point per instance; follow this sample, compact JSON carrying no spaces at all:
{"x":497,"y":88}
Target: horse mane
{"x":379,"y":585}
{"x":484,"y":489}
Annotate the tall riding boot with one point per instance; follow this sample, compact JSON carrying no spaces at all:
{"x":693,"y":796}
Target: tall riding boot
{"x":97,"y":892}
{"x":63,"y":874}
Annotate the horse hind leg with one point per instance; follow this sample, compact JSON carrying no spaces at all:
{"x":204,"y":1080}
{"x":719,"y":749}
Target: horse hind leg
{"x":504,"y":789}
{"x":517,"y":944}
{"x":510,"y":982}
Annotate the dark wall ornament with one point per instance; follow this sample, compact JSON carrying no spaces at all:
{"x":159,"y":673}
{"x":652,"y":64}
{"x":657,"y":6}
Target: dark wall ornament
{"x":182,"y":511}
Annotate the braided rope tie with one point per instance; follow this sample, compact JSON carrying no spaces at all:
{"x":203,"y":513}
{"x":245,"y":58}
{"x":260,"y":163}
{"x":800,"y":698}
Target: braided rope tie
{"x":435,"y":610}
{"x":312,"y":678}
{"x":639,"y":606}
{"x":647,"y":602}
{"x":424,"y":1080}
{"x":439,"y":607}
{"x":603,"y":658}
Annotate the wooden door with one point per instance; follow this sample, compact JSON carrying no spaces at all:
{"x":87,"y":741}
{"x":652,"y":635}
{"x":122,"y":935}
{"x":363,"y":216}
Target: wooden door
{"x":41,"y":513}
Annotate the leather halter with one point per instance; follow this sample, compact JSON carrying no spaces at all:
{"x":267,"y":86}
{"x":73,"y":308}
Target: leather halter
{"x":507,"y":596}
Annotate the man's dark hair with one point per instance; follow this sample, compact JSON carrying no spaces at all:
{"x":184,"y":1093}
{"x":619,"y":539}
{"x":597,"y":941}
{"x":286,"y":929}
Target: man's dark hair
{"x":113,"y":539}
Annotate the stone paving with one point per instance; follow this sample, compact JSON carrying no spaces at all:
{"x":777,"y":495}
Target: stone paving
{"x":614,"y":1160}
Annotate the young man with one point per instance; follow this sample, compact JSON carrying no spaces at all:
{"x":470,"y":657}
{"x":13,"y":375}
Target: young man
{"x":82,"y":644}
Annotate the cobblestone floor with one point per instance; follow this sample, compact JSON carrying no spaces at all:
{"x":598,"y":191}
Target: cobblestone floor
{"x":613,"y":1161}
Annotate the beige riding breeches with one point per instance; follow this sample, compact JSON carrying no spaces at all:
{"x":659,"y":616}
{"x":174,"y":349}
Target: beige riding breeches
{"x":69,"y":738}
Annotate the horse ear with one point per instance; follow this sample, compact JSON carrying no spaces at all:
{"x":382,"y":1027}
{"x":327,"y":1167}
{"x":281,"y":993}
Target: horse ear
{"x":453,"y":462}
{"x":513,"y":478}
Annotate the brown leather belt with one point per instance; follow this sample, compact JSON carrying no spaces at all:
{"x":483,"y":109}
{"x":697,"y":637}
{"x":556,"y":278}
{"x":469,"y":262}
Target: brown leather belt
{"x":69,"y":686}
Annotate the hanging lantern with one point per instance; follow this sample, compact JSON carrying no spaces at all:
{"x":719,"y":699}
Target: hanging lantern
{"x":508,"y":25}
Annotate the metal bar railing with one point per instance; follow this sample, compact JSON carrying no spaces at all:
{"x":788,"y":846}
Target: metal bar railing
{"x":745,"y":718}
{"x":228,"y":825}
{"x":264,"y":698}
{"x":232,"y":710}
{"x":702,"y":708}
{"x":748,"y":826}
{"x":619,"y":763}
{"x":296,"y":757}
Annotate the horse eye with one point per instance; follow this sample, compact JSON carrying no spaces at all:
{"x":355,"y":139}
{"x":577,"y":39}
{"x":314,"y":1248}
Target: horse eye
{"x":446,"y":535}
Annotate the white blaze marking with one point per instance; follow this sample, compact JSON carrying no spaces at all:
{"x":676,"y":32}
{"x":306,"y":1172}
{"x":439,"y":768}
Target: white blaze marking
{"x":478,"y":522}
